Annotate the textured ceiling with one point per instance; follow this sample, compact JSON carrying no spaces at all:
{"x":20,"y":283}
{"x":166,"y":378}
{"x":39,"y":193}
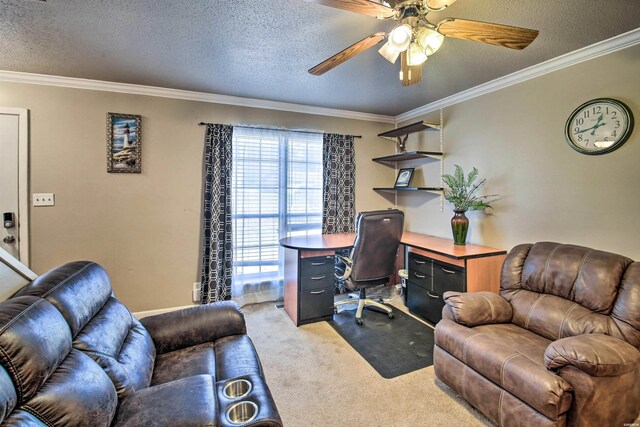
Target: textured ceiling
{"x":263,"y":48}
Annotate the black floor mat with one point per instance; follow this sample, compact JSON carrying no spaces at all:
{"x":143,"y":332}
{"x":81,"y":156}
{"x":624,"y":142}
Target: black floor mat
{"x":393,"y":347}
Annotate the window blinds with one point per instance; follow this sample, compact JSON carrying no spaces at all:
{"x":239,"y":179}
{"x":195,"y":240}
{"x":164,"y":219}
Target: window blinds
{"x":276,"y":192}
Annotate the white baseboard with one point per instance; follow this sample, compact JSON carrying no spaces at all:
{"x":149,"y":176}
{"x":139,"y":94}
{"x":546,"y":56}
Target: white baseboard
{"x":141,"y":314}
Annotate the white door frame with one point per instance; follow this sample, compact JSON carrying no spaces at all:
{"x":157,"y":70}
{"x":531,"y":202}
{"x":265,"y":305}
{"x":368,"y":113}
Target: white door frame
{"x":23,"y":178}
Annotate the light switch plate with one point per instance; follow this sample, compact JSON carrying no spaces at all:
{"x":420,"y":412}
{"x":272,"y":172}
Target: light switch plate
{"x":44,"y":199}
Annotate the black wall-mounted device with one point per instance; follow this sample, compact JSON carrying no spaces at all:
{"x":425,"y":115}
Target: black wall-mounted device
{"x":8,"y":219}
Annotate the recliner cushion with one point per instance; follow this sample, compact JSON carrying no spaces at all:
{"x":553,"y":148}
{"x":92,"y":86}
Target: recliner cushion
{"x":78,"y":393}
{"x":196,"y":360}
{"x":186,"y":402}
{"x":583,"y":275}
{"x":510,"y":357}
{"x":34,"y":340}
{"x":120,"y":345}
{"x":77,"y":289}
{"x":54,"y":383}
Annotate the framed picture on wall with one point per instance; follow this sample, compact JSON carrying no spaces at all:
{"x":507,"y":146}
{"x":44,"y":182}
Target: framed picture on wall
{"x":124,"y":143}
{"x":404,"y":177}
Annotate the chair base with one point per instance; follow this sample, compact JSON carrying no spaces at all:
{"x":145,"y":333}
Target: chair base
{"x":364,"y":302}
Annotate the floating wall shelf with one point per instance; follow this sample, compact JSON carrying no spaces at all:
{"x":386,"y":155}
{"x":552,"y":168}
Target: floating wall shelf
{"x":406,"y":130}
{"x":434,"y":190}
{"x":410,"y":155}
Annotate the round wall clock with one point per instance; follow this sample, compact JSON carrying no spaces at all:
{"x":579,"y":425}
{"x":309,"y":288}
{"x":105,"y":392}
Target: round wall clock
{"x":599,"y":126}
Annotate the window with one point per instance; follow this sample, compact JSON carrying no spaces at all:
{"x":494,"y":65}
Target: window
{"x":276,"y":192}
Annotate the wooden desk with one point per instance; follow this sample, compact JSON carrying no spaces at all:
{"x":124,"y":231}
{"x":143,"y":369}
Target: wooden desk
{"x":309,"y":266}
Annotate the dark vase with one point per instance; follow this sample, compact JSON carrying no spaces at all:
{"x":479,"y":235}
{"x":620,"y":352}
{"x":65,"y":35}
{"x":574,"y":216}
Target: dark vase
{"x":459,"y":226}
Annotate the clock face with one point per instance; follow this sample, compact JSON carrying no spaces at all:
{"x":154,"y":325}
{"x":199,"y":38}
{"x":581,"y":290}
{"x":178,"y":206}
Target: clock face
{"x":599,"y":126}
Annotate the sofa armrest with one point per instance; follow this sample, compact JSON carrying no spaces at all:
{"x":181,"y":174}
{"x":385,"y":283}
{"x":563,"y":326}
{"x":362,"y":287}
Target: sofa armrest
{"x":195,"y":325}
{"x":478,"y":308}
{"x":594,"y":354}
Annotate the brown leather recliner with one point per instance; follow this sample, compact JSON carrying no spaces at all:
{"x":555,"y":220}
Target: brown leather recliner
{"x":558,"y":346}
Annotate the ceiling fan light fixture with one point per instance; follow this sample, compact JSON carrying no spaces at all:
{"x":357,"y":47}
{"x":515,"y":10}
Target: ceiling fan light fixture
{"x":400,"y":38}
{"x":389,"y":53}
{"x":429,"y":40}
{"x":415,"y":55}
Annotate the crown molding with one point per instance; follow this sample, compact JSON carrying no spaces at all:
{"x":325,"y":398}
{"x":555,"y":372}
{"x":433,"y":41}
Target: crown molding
{"x":105,"y":86}
{"x":595,"y":50}
{"x":611,"y":45}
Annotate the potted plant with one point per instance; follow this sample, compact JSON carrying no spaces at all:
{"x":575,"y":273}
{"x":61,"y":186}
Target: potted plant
{"x":462,"y":194}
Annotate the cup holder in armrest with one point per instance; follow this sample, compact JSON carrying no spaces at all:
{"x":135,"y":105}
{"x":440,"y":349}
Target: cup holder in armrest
{"x":242,"y":412}
{"x":246,"y":399}
{"x":236,"y":389}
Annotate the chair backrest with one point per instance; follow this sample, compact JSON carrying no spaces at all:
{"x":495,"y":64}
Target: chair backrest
{"x":377,"y":240}
{"x":559,"y":290}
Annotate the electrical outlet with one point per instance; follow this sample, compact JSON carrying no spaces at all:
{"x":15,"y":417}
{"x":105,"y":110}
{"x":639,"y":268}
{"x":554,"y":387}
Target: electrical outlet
{"x":196,"y":291}
{"x":44,"y":199}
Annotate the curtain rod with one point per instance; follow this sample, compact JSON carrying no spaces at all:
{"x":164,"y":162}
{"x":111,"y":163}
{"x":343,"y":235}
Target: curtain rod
{"x":288,"y":130}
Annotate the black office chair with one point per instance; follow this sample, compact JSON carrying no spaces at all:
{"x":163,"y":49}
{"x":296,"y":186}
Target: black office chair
{"x":372,"y":259}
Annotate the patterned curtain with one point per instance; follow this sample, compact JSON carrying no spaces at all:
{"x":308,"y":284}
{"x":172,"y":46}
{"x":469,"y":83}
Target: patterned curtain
{"x":217,"y":256}
{"x":339,"y":189}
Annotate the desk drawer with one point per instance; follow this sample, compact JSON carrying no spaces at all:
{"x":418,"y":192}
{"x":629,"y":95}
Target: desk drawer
{"x":448,"y":277}
{"x":316,"y":303}
{"x":424,"y":303}
{"x":420,"y":264}
{"x":318,"y":281}
{"x":317,"y":266}
{"x":420,"y":278}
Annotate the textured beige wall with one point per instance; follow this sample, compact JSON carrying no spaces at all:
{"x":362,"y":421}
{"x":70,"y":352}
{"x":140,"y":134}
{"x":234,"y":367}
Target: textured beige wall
{"x":515,"y":137}
{"x":144,"y":229}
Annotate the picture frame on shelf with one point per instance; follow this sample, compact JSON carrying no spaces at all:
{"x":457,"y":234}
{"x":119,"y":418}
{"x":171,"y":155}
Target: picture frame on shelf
{"x":124,"y":143}
{"x":404,"y":178}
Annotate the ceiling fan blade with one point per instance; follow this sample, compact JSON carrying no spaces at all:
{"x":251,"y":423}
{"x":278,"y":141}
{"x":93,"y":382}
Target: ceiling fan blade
{"x":410,"y":75}
{"x":439,"y":4}
{"x":365,"y":7}
{"x":347,"y":54}
{"x":485,"y":32}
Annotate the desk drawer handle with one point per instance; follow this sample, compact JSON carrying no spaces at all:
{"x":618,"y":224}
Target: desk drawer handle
{"x":315,"y":264}
{"x":419,"y":262}
{"x":433,"y":296}
{"x":318,"y":277}
{"x":448,"y":271}
{"x":317,"y":292}
{"x":419,"y":276}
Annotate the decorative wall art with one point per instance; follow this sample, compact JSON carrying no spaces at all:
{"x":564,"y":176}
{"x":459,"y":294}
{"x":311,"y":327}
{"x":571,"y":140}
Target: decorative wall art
{"x":124,"y":143}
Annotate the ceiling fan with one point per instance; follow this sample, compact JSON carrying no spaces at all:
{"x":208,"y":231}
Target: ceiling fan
{"x":414,"y":37}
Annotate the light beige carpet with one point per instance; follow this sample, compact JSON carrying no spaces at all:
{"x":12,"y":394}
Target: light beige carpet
{"x":317,"y":379}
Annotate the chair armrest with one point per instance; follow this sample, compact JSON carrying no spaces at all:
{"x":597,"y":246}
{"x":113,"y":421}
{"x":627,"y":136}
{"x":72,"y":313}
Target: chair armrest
{"x":348,"y":263}
{"x":594,"y":354}
{"x":195,"y":325}
{"x":478,"y":308}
